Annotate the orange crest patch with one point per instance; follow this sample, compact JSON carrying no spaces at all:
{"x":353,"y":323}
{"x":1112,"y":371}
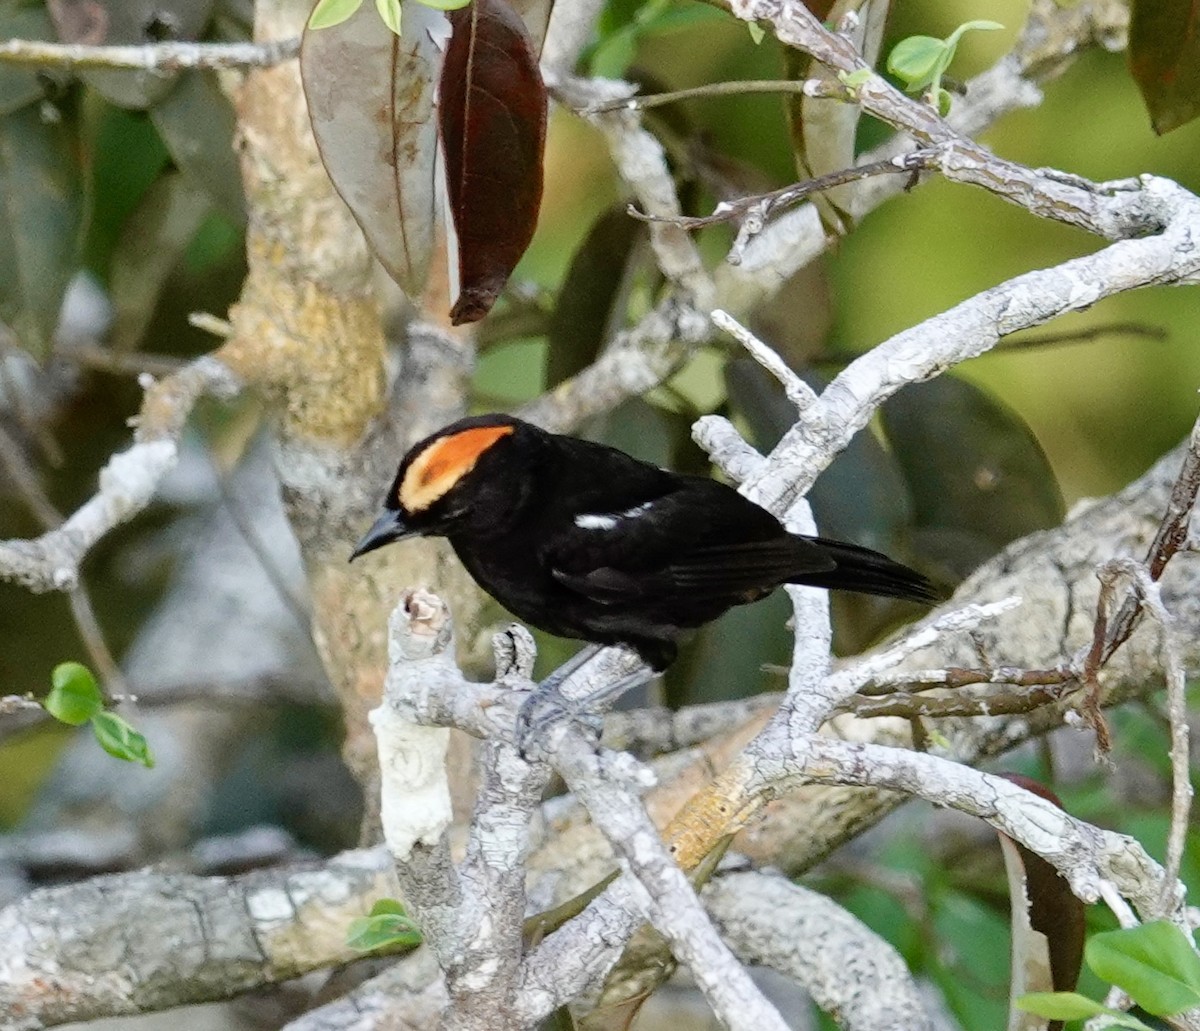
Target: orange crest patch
{"x":443,"y":463}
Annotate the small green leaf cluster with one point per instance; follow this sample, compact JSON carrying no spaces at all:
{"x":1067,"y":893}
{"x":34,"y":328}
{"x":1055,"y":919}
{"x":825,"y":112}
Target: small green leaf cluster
{"x":333,"y":12}
{"x":75,"y":699}
{"x":1154,"y":964}
{"x":387,"y":927}
{"x":921,"y":61}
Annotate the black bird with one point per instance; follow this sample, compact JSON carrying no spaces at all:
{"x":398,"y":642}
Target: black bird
{"x":584,"y":541}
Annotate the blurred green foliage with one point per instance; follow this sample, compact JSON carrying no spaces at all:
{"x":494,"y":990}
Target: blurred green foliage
{"x":1101,"y":411}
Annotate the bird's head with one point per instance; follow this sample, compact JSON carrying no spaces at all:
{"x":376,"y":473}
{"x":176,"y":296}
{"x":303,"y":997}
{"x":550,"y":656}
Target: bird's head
{"x":473,"y":472}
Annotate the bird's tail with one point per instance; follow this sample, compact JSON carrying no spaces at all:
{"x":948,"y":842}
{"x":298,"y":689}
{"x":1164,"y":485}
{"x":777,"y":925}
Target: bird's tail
{"x":869,"y":572}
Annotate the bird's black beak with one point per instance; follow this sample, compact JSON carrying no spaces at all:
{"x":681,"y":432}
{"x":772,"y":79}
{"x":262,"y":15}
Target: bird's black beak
{"x":387,"y":528}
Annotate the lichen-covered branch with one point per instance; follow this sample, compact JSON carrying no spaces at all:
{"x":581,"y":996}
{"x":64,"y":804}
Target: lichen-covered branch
{"x":130,"y":943}
{"x":127,"y":482}
{"x":148,"y":57}
{"x":846,"y":967}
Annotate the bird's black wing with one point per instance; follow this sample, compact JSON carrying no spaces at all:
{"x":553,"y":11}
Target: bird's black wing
{"x":702,"y":541}
{"x":723,"y":571}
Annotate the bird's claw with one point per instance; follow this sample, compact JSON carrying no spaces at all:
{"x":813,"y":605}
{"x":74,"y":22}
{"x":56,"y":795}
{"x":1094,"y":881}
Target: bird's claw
{"x":543,"y":711}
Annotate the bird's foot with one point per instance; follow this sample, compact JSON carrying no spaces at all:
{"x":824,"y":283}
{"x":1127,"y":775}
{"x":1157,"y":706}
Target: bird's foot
{"x":547,"y":708}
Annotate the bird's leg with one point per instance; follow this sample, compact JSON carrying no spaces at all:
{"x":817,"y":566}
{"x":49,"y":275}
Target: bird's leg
{"x":548,"y":704}
{"x":569,"y":668}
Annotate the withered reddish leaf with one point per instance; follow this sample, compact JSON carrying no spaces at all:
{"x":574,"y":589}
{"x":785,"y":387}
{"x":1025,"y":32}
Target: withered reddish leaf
{"x":493,"y":123}
{"x":370,"y":101}
{"x":1164,"y":56}
{"x":1049,"y":908}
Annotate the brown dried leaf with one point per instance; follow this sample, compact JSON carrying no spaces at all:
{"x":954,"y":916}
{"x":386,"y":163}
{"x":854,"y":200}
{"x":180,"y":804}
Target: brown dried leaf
{"x":1047,"y":922}
{"x":370,"y":101}
{"x":493,"y":125}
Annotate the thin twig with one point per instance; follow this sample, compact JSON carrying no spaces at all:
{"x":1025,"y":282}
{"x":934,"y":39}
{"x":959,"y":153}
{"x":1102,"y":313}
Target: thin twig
{"x":1172,"y":536}
{"x":13,"y":703}
{"x":295,"y":604}
{"x":93,"y":356}
{"x":150,"y":57}
{"x":798,"y":392}
{"x":1181,"y":784}
{"x":767,"y":204}
{"x":741,"y":87}
{"x":13,"y":460}
{"x":911,"y":706}
{"x":963,"y":676}
{"x":1080,"y":336}
{"x":127,"y":481}
{"x":1037,"y":340}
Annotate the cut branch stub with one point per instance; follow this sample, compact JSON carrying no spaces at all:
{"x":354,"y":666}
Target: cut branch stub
{"x":493,"y":123}
{"x":370,"y":101}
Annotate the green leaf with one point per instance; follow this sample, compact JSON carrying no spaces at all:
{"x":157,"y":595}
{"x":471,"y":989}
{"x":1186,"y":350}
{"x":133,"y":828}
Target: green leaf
{"x":856,"y":78}
{"x":943,"y":102}
{"x":918,"y":60}
{"x":331,"y":12}
{"x":591,"y":303}
{"x":20,"y":86}
{"x":977,"y":476}
{"x":388,"y":907}
{"x":41,"y":215}
{"x":130,"y":22}
{"x":1061,"y":1005}
{"x":981,"y":25}
{"x":152,"y":242}
{"x":1155,"y":964}
{"x":196,"y":122}
{"x":1073,"y":1006}
{"x":120,"y":740}
{"x":623,"y":23}
{"x":387,"y":926}
{"x":75,"y":696}
{"x":1164,"y":57}
{"x":128,"y":155}
{"x":389,"y":11}
{"x":445,"y":5}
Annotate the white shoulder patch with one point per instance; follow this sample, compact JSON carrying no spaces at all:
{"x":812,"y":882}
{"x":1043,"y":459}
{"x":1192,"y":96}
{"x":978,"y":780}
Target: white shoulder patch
{"x":595,"y":522}
{"x":588,"y":521}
